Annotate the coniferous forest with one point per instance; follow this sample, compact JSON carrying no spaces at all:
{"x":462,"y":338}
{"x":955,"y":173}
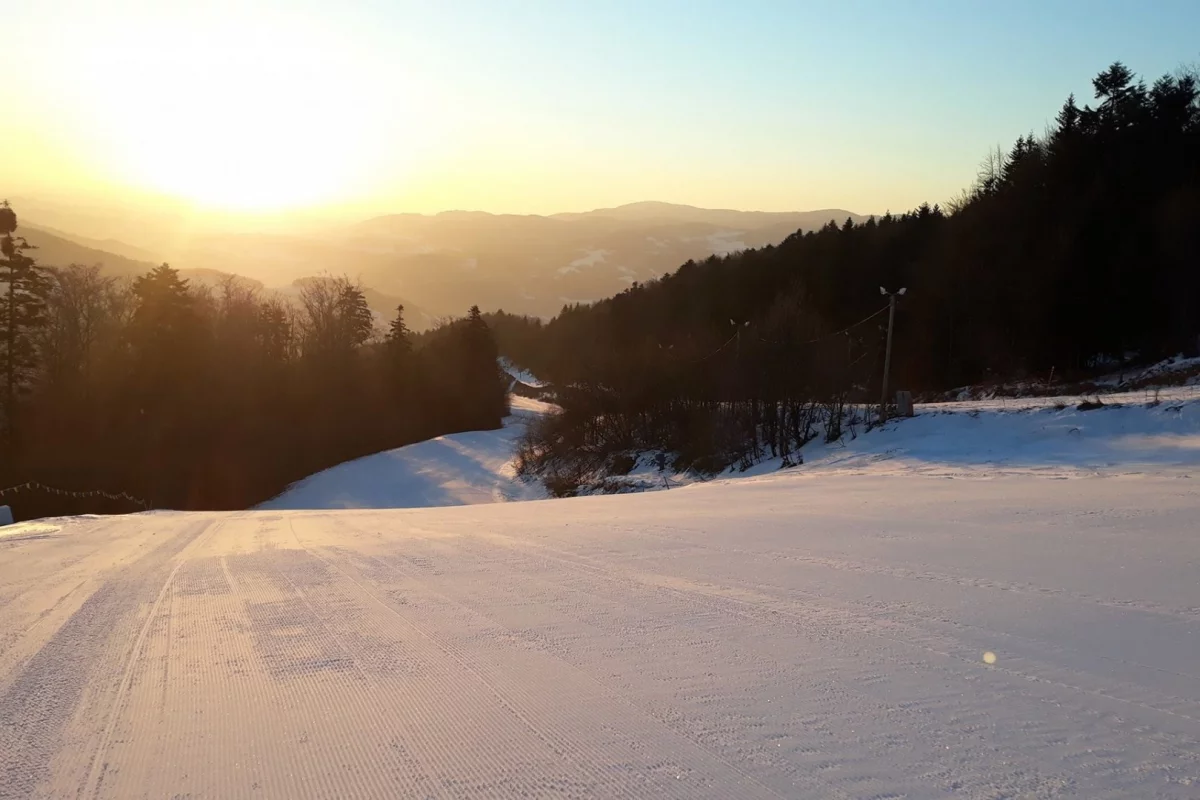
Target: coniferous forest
{"x":192,"y":398}
{"x":1075,"y":249}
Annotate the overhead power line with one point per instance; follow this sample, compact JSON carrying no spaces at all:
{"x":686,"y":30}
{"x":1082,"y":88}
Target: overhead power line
{"x":823,"y":337}
{"x":736,"y":335}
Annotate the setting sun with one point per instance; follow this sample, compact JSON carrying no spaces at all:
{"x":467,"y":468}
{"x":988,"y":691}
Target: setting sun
{"x":257,"y":118}
{"x":245,"y":139}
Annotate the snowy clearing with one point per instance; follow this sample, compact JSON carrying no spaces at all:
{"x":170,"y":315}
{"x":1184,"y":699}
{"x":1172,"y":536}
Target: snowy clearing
{"x":791,"y":636}
{"x":1027,"y":436}
{"x":1048,"y":437}
{"x":453,"y":470}
{"x":590,"y":258}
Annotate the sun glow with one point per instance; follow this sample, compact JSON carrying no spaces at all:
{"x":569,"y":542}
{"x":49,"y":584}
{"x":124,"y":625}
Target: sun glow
{"x":257,"y":119}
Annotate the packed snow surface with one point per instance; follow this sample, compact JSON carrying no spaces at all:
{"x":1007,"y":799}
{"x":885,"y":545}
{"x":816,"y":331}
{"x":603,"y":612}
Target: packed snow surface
{"x":523,"y":375}
{"x":1130,"y":433}
{"x":1133,"y":433}
{"x":458,"y":469}
{"x":788,"y":636}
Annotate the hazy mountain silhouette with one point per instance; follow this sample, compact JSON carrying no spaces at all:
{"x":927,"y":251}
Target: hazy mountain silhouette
{"x":444,"y":263}
{"x":535,"y":264}
{"x":654,"y":211}
{"x":109,"y":245}
{"x":57,"y":250}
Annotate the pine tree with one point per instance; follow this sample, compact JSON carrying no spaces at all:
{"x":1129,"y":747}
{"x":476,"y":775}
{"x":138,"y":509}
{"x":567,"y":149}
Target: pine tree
{"x":164,"y":318}
{"x":1068,"y":118}
{"x":1114,"y":83}
{"x":275,"y":331}
{"x":170,"y":353}
{"x":398,"y":333}
{"x":22,"y":312}
{"x":163,"y":300}
{"x":488,"y":386}
{"x":400,"y":365}
{"x":354,"y":316}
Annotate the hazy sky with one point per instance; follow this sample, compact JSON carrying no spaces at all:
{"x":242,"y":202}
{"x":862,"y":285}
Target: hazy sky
{"x":535,"y":107}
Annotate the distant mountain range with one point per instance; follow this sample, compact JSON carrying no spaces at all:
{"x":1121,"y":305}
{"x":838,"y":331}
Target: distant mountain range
{"x":56,"y":249}
{"x":441,"y":264}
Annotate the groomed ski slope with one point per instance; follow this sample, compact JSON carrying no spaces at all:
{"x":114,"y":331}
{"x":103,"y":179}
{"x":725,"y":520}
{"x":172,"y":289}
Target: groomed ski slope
{"x":792,"y":635}
{"x":453,"y":470}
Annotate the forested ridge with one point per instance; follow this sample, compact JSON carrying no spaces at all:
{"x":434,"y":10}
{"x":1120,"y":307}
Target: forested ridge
{"x":193,"y":398}
{"x":1076,"y":248}
{"x":1073,"y":249}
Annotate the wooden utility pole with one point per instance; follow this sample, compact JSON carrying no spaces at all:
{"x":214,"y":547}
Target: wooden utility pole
{"x":887,"y":355}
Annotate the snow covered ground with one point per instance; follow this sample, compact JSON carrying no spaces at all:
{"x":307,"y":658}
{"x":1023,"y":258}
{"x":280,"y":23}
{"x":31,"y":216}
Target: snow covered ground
{"x":459,"y":469}
{"x":1134,"y":433}
{"x":1027,"y":436}
{"x":523,"y":375}
{"x":921,"y":611}
{"x":1142,"y":432}
{"x":798,"y":635}
{"x":1175,"y":371}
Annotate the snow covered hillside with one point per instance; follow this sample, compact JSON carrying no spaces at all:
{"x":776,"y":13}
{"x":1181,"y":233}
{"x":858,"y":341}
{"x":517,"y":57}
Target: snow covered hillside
{"x":791,"y":636}
{"x":1131,"y":433}
{"x":458,"y":469}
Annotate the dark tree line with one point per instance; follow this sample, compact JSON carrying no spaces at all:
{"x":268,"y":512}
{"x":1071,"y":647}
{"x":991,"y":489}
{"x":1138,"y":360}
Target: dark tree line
{"x":1075,"y":248}
{"x":196,"y":398}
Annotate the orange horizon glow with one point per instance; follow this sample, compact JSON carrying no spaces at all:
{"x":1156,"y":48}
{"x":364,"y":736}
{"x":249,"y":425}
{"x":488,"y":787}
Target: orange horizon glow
{"x":250,"y":110}
{"x":257,"y":107}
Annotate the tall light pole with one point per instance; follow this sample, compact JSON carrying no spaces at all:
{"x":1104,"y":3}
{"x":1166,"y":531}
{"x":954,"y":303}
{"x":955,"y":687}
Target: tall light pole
{"x":887,"y":356}
{"x":738,"y":335}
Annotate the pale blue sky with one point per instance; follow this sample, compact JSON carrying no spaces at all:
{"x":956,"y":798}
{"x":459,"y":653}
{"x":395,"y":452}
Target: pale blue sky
{"x":547,"y":106}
